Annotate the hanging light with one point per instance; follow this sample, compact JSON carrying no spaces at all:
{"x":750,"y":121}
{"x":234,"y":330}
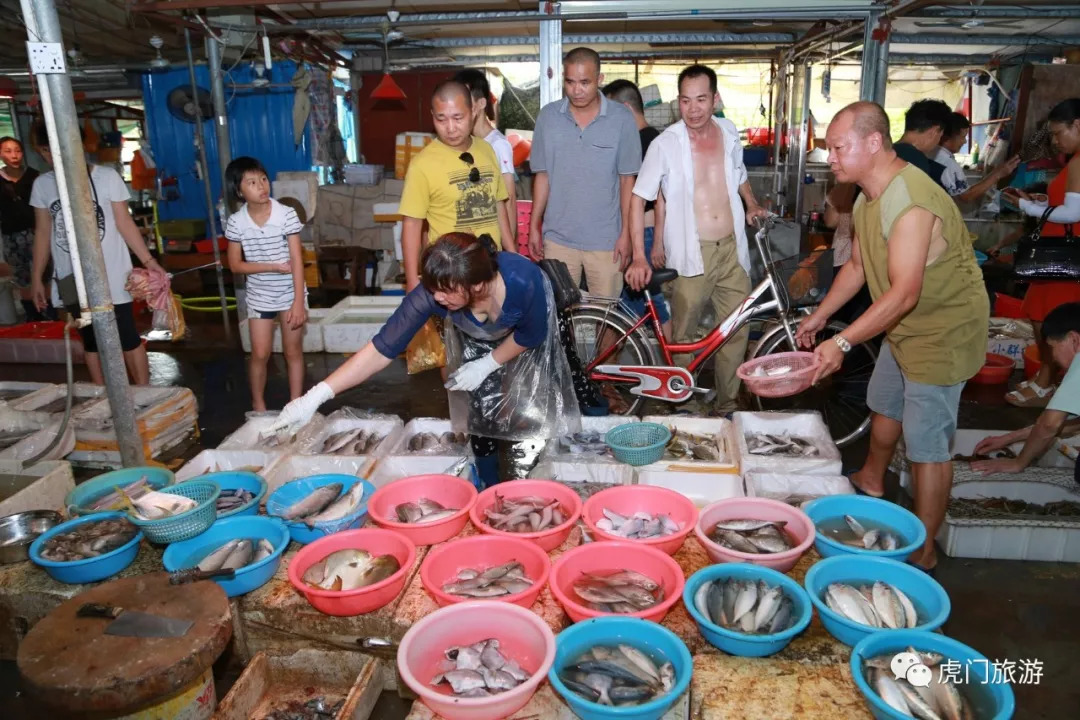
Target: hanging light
{"x":387,"y":89}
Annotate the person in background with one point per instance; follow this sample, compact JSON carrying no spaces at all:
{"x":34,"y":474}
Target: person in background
{"x":483,"y":108}
{"x":1061,"y":331}
{"x":627,"y":93}
{"x":264,"y":244}
{"x":17,"y":223}
{"x":924,"y":126}
{"x":953,"y":178}
{"x":119,"y":238}
{"x":585,"y":154}
{"x":1063,"y":195}
{"x":911,"y":248}
{"x":697,"y":163}
{"x":839,"y":204}
{"x":455,"y":183}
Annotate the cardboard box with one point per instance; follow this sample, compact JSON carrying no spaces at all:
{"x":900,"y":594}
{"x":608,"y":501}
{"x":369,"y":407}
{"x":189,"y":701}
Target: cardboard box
{"x":406,"y":147}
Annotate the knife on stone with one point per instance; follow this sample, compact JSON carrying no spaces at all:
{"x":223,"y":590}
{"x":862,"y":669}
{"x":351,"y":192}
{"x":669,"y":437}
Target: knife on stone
{"x":133,"y":623}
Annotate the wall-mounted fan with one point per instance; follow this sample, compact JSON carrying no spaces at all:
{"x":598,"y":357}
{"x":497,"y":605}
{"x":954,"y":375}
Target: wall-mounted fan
{"x":181,"y":103}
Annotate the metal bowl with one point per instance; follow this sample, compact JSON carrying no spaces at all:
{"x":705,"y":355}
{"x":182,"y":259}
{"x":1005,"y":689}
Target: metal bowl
{"x":18,"y":531}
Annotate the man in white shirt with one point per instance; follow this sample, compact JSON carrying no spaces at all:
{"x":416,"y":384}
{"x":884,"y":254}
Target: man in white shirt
{"x":698,"y":164}
{"x":953,"y":178}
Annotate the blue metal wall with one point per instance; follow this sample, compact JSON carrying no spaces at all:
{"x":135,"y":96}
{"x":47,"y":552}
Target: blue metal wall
{"x":260,"y":125}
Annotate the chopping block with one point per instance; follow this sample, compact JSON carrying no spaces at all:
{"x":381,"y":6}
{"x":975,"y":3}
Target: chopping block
{"x":69,"y":664}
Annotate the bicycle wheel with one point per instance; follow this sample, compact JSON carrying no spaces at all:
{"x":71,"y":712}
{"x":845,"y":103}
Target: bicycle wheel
{"x":840,"y":398}
{"x":589,"y":323}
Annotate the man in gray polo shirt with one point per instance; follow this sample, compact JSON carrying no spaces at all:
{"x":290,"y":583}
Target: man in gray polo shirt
{"x":585,"y":154}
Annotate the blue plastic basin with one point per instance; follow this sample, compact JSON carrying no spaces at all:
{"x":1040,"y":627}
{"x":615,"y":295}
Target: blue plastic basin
{"x":909,"y":527}
{"x":78,"y":500}
{"x":238,"y":480}
{"x":90,"y":570}
{"x":290,"y":493}
{"x":187,"y":554}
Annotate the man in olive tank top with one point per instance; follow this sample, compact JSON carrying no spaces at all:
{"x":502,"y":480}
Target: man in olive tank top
{"x":911,"y":249}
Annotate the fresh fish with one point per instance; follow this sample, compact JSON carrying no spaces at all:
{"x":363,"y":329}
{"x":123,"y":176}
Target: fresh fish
{"x":745,"y":607}
{"x":524,"y":514}
{"x":239,"y":557}
{"x":217,"y":558}
{"x":788,"y":445}
{"x":263,"y":550}
{"x":639,"y":526}
{"x":938,"y":701}
{"x":88,"y":540}
{"x":341,"y":440}
{"x":855,"y":534}
{"x":231,"y":499}
{"x":341,"y":508}
{"x":751,"y":535}
{"x":505,"y":579}
{"x":479,"y":670}
{"x":621,"y":675}
{"x":154,"y":505}
{"x":621,"y":590}
{"x":423,"y":511}
{"x":314,"y":503}
{"x":888,"y":606}
{"x":319,"y":708}
{"x":350,"y":569}
{"x":887,"y":689}
{"x":686,"y":446}
{"x":584,"y":443}
{"x":448,"y":443}
{"x":877,"y":605}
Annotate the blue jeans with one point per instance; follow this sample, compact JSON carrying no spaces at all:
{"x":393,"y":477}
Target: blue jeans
{"x":636,"y":300}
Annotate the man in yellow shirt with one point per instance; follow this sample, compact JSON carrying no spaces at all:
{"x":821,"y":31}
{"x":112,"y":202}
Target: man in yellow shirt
{"x":454,"y":183}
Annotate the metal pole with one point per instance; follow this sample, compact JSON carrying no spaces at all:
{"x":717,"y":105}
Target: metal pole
{"x":550,"y":54}
{"x":65,"y":141}
{"x":221,"y":118}
{"x":779,"y":118}
{"x":200,"y":143}
{"x":804,"y":132}
{"x":881,"y":78}
{"x":867,"y":81}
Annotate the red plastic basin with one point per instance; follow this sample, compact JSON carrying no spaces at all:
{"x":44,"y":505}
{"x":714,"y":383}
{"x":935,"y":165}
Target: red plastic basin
{"x":629,"y":499}
{"x":1007,"y":306}
{"x":996,"y":371}
{"x":447,"y":490}
{"x":548,"y":539}
{"x":1032,"y":361}
{"x":799,"y":527}
{"x":481,"y":552}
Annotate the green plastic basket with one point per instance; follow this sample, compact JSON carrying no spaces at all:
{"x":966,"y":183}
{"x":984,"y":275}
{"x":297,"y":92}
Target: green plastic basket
{"x":186,"y":524}
{"x":638,"y":443}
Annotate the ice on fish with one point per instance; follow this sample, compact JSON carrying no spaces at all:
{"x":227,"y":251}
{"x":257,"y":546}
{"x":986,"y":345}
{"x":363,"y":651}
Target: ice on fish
{"x":639,"y":526}
{"x":620,"y":675}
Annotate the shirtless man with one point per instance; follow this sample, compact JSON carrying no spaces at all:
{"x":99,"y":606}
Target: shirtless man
{"x":705,"y":224}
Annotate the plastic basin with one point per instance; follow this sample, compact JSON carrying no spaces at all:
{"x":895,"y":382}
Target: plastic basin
{"x":523,"y":636}
{"x":1032,"y":361}
{"x":448,"y":490}
{"x":798,"y":527}
{"x":996,"y":371}
{"x":361,"y":600}
{"x":548,"y":539}
{"x":654,"y":640}
{"x":735,"y":643}
{"x":239,"y":480}
{"x":1000,"y":694}
{"x":90,"y":570}
{"x":187,"y":553}
{"x":906,"y":524}
{"x":90,"y":491}
{"x":930,"y":599}
{"x":607,"y":556}
{"x":1007,"y":306}
{"x":298,"y":489}
{"x":629,"y":499}
{"x":444,"y":562}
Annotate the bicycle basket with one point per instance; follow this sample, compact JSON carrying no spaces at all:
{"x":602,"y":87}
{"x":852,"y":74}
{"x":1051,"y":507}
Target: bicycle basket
{"x":805,"y":278}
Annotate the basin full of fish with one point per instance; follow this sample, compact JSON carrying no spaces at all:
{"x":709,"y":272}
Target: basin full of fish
{"x":423,"y":511}
{"x":506,"y":579}
{"x":618,"y":591}
{"x":750,"y":535}
{"x":319,"y":708}
{"x":878,"y":605}
{"x":745,"y":606}
{"x":940,"y":700}
{"x":688,"y":446}
{"x":784,"y":445}
{"x":356,"y":441}
{"x":639,"y":526}
{"x":120,"y":497}
{"x":855,"y":534}
{"x":325,"y":504}
{"x":236,"y":554}
{"x":88,"y":540}
{"x":233,"y":499}
{"x":588,"y":442}
{"x":479,"y":670}
{"x":525,"y":514}
{"x":350,"y":569}
{"x":429,"y":443}
{"x":618,"y":675}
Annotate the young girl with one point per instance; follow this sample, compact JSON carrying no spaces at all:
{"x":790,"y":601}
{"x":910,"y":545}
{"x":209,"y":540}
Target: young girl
{"x":264,"y":244}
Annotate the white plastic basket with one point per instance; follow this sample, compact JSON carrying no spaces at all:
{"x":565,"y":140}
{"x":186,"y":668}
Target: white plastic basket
{"x":808,"y":425}
{"x":209,"y":461}
{"x":388,"y":427}
{"x":720,"y":430}
{"x":246,"y":437}
{"x":701,"y":487}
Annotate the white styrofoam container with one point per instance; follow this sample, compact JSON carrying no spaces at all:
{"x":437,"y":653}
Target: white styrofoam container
{"x":436,"y":426}
{"x":312,"y":340}
{"x":290,"y":467}
{"x":722,"y":432}
{"x":390,"y":469}
{"x":33,"y":444}
{"x":22,"y":388}
{"x":1011,"y":348}
{"x":1052,"y":539}
{"x":1018,"y":334}
{"x":586,"y":467}
{"x":339,"y":335}
{"x":209,"y":461}
{"x":41,"y":486}
{"x":388,"y":427}
{"x":363,"y":302}
{"x":701,"y":487}
{"x":246,"y":437}
{"x":809,"y":425}
{"x":80,"y":393}
{"x":110,"y":459}
{"x":795,"y":489}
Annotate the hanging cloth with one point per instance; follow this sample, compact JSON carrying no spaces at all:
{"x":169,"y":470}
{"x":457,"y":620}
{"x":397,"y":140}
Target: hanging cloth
{"x":301,"y":80}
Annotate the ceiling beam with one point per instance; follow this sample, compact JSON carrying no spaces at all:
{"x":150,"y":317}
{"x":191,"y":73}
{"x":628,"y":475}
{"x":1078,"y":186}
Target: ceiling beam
{"x":166,"y":5}
{"x":979,"y":39}
{"x":612,"y":39}
{"x":989,"y":12}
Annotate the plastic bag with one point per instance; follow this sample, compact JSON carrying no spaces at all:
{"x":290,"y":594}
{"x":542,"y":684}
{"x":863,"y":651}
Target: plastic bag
{"x":426,"y":350}
{"x":171,"y":319}
{"x":313,"y":439}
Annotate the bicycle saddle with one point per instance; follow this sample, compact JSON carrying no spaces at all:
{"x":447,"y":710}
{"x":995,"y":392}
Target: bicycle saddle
{"x":661,"y":276}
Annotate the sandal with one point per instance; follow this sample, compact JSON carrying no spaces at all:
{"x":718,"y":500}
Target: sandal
{"x":1029,"y":394}
{"x":859,"y":490}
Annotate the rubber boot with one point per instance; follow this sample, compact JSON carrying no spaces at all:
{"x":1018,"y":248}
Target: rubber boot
{"x":487,"y":467}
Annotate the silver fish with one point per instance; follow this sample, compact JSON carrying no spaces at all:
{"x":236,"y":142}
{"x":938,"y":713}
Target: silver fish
{"x":479,"y":670}
{"x":505,"y":579}
{"x":751,"y":535}
{"x":314,"y":503}
{"x":239,"y":557}
{"x":217,"y":558}
{"x":524,"y":514}
{"x":684,"y":445}
{"x":340,"y":440}
{"x":640,"y":525}
{"x":264,"y":550}
{"x":789,"y":445}
{"x":620,"y":590}
{"x":745,"y":607}
{"x":340,"y":508}
{"x":621,"y":675}
{"x":856,"y":535}
{"x":423,"y":511}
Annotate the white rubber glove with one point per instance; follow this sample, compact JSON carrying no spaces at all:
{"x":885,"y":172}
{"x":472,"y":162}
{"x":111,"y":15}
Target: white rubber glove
{"x":469,"y":376}
{"x":298,"y":412}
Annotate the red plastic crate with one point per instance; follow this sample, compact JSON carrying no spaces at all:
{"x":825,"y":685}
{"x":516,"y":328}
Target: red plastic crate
{"x":524,"y":217}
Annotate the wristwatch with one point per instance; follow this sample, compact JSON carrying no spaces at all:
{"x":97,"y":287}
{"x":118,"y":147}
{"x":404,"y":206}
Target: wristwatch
{"x":841,"y":343}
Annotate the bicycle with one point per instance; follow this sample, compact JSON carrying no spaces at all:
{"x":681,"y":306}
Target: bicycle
{"x":639,"y":365}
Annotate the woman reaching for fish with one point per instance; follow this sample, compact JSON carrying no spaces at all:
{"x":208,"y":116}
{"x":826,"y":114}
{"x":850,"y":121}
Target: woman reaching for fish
{"x":503,"y":348}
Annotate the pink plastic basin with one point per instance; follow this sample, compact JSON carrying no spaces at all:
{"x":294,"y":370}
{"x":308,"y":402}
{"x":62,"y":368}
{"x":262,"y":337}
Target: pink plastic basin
{"x":523,"y":636}
{"x":365,"y":599}
{"x":548,"y":539}
{"x":799,"y":527}
{"x":481,"y":552}
{"x":629,"y":499}
{"x":606,"y":556}
{"x":447,"y":490}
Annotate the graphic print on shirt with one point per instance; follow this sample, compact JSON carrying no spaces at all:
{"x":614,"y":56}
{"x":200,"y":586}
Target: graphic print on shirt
{"x":476,"y":203}
{"x":60,"y":232}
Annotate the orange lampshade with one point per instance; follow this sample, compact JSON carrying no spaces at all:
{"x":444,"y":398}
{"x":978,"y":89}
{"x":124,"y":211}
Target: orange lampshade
{"x":387,"y":89}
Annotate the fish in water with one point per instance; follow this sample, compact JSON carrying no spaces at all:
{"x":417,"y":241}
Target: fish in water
{"x":860,"y":537}
{"x":684,"y":445}
{"x":235,"y":554}
{"x":745,"y":606}
{"x":350,"y":569}
{"x":88,"y":540}
{"x":753,"y":536}
{"x":479,"y":670}
{"x":940,"y":700}
{"x":348,"y":503}
{"x":524,"y":514}
{"x":879,"y":605}
{"x":505,"y":579}
{"x":356,"y":441}
{"x":618,"y":591}
{"x":584,"y":443}
{"x":423,"y":511}
{"x":232,"y":499}
{"x":618,"y":675}
{"x":431,"y":444}
{"x":788,"y":445}
{"x":313,"y":503}
{"x":639,"y":526}
{"x":319,"y":708}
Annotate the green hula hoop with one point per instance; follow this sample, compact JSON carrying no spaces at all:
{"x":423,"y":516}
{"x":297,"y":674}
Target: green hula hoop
{"x":207,"y":304}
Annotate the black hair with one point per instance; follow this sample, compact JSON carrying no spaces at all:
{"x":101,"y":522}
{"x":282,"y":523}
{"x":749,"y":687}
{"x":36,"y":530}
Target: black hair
{"x":480,"y":89}
{"x":8,"y":138}
{"x":1062,"y":320}
{"x":234,"y":176}
{"x":459,"y":261}
{"x":450,"y":87}
{"x":1066,"y":111}
{"x":582,"y":55}
{"x":692,"y":71}
{"x":625,"y":92}
{"x":927,"y":114}
{"x":958,"y":123}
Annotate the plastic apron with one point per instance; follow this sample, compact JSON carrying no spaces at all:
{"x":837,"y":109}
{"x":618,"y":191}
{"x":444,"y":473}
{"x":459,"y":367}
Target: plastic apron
{"x":529,"y":398}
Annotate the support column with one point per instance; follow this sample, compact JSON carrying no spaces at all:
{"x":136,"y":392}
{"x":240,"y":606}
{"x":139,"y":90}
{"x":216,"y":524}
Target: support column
{"x":868,"y":78}
{"x":881,"y":78}
{"x":551,"y":54}
{"x":804,"y":136}
{"x":221,"y":118}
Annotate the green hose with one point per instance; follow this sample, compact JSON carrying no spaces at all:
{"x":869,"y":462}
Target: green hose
{"x":211,"y":303}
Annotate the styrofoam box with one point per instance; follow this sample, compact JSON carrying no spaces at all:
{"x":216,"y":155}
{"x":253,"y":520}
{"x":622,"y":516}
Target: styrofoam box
{"x":391,"y":469}
{"x":209,"y":461}
{"x":586,"y":467}
{"x":39,"y":350}
{"x":808,"y":425}
{"x":110,"y":459}
{"x":41,"y":486}
{"x":795,"y":489}
{"x":1055,"y":540}
{"x":247,"y":436}
{"x":721,"y":430}
{"x":701,"y":487}
{"x":436,"y":426}
{"x":388,"y":428}
{"x":145,"y":397}
{"x":312,"y":340}
{"x":81,"y":392}
{"x":1011,"y":347}
{"x":290,"y":467}
{"x":349,"y":329}
{"x":33,"y":444}
{"x":366,"y":301}
{"x":19,"y":390}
